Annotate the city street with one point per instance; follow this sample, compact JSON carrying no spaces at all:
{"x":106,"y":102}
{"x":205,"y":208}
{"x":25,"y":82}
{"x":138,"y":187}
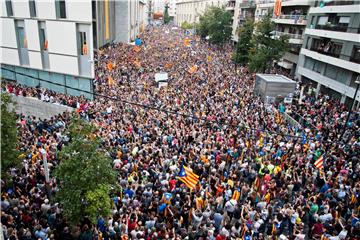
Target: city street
{"x":174,"y":130}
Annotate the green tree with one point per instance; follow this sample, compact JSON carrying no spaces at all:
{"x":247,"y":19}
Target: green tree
{"x":85,"y":175}
{"x":267,"y":47}
{"x":166,"y":14}
{"x":215,"y":23}
{"x":241,"y":55}
{"x":185,"y":25}
{"x":9,"y":141}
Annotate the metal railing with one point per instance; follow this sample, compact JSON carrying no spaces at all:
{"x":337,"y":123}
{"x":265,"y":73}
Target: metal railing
{"x":338,"y":28}
{"x":250,"y":4}
{"x":292,"y":16}
{"x":291,"y":35}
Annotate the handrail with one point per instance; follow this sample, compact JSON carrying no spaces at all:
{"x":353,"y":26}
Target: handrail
{"x":292,"y":16}
{"x":291,"y":35}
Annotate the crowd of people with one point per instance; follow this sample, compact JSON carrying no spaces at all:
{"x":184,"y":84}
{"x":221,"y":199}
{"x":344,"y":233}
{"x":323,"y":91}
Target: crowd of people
{"x":257,"y":178}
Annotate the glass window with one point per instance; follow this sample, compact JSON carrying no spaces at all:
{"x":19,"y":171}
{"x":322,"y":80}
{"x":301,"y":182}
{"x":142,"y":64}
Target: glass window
{"x":21,"y":37}
{"x":318,"y":66}
{"x":9,"y":8}
{"x":323,"y":20}
{"x":32,"y":8}
{"x":344,"y":20}
{"x":83,"y":44}
{"x":309,"y":63}
{"x":331,"y":71}
{"x":355,"y":56}
{"x":60,"y":9}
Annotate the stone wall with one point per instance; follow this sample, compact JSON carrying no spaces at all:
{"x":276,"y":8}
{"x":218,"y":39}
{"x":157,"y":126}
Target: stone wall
{"x":34,"y":107}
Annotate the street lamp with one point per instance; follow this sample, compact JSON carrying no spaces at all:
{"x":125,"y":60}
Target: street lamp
{"x":357,"y":82}
{"x":46,"y":169}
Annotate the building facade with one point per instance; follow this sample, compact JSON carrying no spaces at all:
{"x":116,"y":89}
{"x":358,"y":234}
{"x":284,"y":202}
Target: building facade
{"x":190,"y":10}
{"x":51,"y":43}
{"x":48,"y":44}
{"x":172,"y":8}
{"x":241,"y":10}
{"x":330,"y":53}
{"x":129,"y":20}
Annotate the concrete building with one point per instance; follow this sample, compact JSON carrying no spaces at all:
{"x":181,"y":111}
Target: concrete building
{"x":330,"y":53}
{"x":49,"y":40}
{"x":191,"y":10}
{"x":172,"y":8}
{"x":129,"y":19}
{"x":291,"y":22}
{"x":241,"y":10}
{"x":51,"y":43}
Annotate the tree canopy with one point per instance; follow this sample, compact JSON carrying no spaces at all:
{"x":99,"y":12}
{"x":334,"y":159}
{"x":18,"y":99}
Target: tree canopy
{"x":241,"y":55}
{"x":215,"y":23}
{"x":166,"y":14}
{"x":267,"y":47}
{"x":85,"y":175}
{"x":9,"y":141}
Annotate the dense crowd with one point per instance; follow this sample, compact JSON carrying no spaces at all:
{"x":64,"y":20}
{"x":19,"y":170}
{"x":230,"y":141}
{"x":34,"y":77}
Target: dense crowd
{"x":257,"y":178}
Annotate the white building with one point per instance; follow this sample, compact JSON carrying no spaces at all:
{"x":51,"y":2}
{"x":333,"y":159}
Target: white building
{"x":172,"y":8}
{"x":191,"y":10}
{"x":130,"y":18}
{"x":48,"y":40}
{"x":51,"y":43}
{"x":330,"y":53}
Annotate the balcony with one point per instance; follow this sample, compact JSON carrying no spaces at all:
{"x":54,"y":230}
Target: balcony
{"x":337,"y":28}
{"x":250,"y":4}
{"x":291,"y":19}
{"x":293,"y":38}
{"x":330,"y":58}
{"x":230,"y":7}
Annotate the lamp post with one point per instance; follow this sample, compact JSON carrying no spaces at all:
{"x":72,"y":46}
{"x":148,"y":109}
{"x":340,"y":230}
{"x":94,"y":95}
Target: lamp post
{"x":351,"y":106}
{"x":46,"y":170}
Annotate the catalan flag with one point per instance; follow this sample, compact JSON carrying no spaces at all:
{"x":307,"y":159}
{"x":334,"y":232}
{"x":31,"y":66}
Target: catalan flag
{"x":137,"y":49}
{"x":204,"y":159}
{"x":187,"y":176}
{"x":319,"y":162}
{"x":236,"y":195}
{"x":193,"y":69}
{"x":111,"y":81}
{"x":110,"y":66}
{"x":137,"y":64}
{"x":187,"y":42}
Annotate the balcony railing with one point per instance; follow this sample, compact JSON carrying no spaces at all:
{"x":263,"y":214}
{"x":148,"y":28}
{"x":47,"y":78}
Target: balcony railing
{"x":337,"y":28}
{"x":291,"y":35}
{"x":250,"y":4}
{"x":328,"y":53}
{"x":295,"y":17}
{"x":266,"y":1}
{"x":331,"y":27}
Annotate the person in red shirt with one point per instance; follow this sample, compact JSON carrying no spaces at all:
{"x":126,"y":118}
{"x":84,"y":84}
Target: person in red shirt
{"x":317,"y":229}
{"x":172,"y":184}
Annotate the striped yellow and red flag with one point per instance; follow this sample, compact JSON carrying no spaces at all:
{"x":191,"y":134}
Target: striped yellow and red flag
{"x":187,"y":176}
{"x":137,"y":49}
{"x":319,"y":162}
{"x":204,"y":159}
{"x":277,"y":8}
{"x":111,"y":81}
{"x":193,"y":69}
{"x":110,"y":66}
{"x":236,"y":195}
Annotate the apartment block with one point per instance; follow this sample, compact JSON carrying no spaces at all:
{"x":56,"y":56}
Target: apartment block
{"x":330,"y":53}
{"x":51,"y":43}
{"x":48,"y":40}
{"x":191,"y":10}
